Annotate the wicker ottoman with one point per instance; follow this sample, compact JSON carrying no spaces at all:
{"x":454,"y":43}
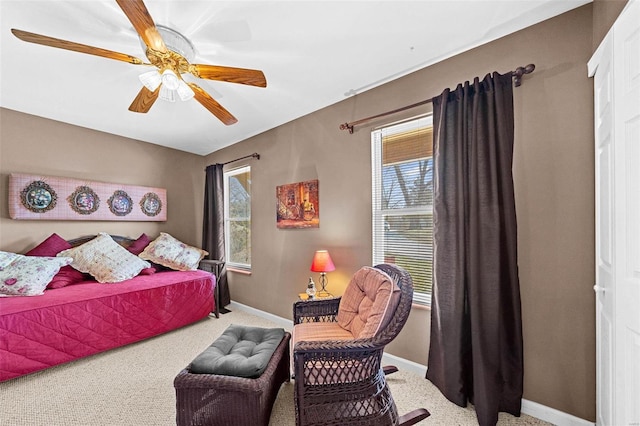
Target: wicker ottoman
{"x":216,"y":399}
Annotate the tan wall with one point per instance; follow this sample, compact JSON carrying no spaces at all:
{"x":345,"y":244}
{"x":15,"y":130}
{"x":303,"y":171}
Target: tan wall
{"x":30,"y":144}
{"x":605,"y":12}
{"x":553,"y":173}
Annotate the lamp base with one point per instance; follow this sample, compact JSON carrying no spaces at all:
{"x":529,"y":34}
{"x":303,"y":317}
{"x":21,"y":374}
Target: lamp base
{"x":323,"y":294}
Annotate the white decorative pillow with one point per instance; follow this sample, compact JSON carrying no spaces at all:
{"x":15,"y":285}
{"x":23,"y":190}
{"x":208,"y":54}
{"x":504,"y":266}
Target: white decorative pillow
{"x":6,"y":258}
{"x":27,"y":275}
{"x":172,"y":253}
{"x":106,"y":260}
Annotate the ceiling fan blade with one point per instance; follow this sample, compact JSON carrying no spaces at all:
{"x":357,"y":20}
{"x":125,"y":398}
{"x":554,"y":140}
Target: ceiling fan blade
{"x":145,"y":99}
{"x":76,"y":47}
{"x":212,"y":105}
{"x":229,"y":74}
{"x":139,"y":16}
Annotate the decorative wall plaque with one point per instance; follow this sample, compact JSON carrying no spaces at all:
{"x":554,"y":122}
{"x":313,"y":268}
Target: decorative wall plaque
{"x":35,"y":197}
{"x":38,"y":197}
{"x":120,"y":203}
{"x":151,"y":204}
{"x":84,"y":200}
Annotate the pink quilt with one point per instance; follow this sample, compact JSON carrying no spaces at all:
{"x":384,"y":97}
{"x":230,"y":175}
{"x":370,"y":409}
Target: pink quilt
{"x":87,"y":318}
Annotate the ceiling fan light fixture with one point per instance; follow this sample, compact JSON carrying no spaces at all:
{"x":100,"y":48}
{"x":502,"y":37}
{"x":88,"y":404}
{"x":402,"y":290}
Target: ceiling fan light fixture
{"x":167,"y":94}
{"x":172,"y":55}
{"x":170,"y":80}
{"x":151,"y":80}
{"x":175,"y":42}
{"x":184,"y":91}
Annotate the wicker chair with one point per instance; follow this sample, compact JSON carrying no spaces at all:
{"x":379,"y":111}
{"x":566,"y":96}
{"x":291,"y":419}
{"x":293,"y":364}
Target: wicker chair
{"x":342,"y":382}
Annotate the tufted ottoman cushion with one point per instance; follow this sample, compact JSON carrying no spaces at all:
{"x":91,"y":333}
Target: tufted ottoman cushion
{"x":233,"y":387}
{"x":240,"y":351}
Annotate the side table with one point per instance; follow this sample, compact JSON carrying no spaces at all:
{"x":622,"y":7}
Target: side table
{"x":305,"y":296}
{"x":214,"y":267}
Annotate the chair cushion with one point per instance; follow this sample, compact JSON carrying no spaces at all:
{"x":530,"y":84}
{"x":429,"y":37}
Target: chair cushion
{"x":240,"y":351}
{"x":319,"y":331}
{"x":368,"y":303}
{"x":326,"y":371}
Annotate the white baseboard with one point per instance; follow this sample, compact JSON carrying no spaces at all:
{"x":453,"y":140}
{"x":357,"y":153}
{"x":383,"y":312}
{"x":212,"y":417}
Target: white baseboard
{"x":552,"y":415}
{"x":283,"y":322}
{"x":530,"y":408}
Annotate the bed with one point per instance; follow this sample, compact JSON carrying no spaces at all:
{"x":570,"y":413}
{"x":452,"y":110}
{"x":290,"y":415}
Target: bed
{"x":88,"y":317}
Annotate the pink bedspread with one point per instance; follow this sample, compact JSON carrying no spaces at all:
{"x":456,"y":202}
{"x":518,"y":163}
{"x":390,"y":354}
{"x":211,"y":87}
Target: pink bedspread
{"x":83,"y":319}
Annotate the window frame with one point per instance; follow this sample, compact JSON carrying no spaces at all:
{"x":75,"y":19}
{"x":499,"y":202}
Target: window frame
{"x":228,"y":174}
{"x":378,"y":231}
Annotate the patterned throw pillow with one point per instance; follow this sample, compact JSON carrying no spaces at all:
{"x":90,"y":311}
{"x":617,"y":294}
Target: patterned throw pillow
{"x":6,"y":258}
{"x":172,"y":253}
{"x":106,"y":260}
{"x":27,"y":275}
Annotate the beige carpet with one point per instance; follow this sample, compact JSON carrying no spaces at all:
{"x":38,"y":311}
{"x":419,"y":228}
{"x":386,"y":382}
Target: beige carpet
{"x":133,"y":386}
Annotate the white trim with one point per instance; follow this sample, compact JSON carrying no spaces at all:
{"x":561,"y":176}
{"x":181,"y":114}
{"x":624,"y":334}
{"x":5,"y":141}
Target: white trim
{"x":227,"y":220}
{"x":593,"y":63}
{"x":530,"y":408}
{"x":283,"y":322}
{"x":404,"y":364}
{"x":552,"y":415}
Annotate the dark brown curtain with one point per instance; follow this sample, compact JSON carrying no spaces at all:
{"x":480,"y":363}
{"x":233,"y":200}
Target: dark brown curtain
{"x":475,"y":352}
{"x":213,"y":226}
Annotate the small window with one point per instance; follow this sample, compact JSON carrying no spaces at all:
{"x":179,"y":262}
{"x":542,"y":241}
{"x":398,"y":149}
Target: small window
{"x":237,"y":215}
{"x":402,"y":165}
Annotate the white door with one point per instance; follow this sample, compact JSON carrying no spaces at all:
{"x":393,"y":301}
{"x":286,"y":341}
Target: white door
{"x":617,"y":125}
{"x":626,"y":77}
{"x":605,"y":282}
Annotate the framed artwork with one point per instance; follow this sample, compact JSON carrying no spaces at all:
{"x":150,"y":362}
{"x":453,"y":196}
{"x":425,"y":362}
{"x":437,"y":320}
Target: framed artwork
{"x":298,"y":205}
{"x":34,"y":197}
{"x":120,"y":203}
{"x":38,"y":197}
{"x":84,"y":200}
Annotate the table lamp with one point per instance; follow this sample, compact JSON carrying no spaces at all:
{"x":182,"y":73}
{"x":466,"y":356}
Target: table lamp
{"x":322,"y":263}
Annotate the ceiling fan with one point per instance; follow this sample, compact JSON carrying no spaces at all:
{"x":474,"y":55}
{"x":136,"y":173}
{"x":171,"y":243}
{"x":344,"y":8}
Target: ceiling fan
{"x":170,"y":52}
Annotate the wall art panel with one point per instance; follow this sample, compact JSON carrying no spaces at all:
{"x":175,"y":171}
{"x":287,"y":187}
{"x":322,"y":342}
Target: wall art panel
{"x":34,"y":197}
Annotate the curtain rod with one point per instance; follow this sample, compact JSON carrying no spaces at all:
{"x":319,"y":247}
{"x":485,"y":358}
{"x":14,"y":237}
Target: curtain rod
{"x":517,"y":77}
{"x":254,"y":155}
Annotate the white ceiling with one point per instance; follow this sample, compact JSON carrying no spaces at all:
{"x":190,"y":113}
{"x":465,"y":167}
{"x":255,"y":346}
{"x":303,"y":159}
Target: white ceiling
{"x":313,"y":54}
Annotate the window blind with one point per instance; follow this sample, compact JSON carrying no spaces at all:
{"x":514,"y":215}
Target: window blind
{"x":402,"y":200}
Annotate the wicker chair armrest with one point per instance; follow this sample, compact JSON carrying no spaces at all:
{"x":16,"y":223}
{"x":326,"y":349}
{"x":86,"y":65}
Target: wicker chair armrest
{"x":352,"y":346}
{"x":334,"y":362}
{"x":320,"y":310}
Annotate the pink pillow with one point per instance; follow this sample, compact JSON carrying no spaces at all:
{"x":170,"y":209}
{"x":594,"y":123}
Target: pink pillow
{"x":53,"y":245}
{"x":139,"y":245}
{"x":148,"y":271}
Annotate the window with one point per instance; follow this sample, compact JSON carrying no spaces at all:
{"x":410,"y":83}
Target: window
{"x":237,"y":217}
{"x":402,"y":165}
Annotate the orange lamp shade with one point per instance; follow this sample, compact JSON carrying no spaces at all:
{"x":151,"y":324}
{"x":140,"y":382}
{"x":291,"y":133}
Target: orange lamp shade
{"x":322,"y":262}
